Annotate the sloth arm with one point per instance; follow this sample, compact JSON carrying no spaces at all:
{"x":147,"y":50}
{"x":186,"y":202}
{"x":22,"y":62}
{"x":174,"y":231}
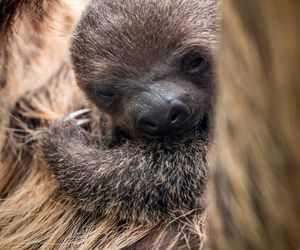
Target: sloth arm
{"x":86,"y":170}
{"x":132,"y":180}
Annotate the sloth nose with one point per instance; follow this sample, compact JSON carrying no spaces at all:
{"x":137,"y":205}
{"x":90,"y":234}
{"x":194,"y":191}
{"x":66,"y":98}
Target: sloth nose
{"x":164,"y":119}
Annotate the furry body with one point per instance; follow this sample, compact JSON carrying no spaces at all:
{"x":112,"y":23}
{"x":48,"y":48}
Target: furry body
{"x":142,"y":179}
{"x":134,"y":181}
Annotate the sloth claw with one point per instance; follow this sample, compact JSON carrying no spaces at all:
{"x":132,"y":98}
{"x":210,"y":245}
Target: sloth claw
{"x":75,"y":116}
{"x":83,"y":122}
{"x":77,"y":113}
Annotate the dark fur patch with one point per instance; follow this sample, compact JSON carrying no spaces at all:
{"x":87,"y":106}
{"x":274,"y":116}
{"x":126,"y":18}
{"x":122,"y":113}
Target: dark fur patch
{"x":2,"y":82}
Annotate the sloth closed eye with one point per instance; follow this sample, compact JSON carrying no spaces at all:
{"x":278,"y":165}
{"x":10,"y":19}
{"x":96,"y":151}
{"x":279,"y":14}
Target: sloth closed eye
{"x":106,"y":93}
{"x":194,"y":63}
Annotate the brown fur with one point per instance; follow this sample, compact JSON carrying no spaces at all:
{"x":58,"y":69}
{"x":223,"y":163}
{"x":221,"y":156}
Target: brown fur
{"x":255,"y":181}
{"x":140,"y":179}
{"x":32,"y":213}
{"x":134,"y":56}
{"x":256,"y":209}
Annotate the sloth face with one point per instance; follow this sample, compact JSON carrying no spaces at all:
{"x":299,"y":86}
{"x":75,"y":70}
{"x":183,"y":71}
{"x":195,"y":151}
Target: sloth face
{"x":148,"y":64}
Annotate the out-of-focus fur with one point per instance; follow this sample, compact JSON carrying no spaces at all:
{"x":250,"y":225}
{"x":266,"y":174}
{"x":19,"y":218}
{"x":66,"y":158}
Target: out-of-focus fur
{"x":33,"y":50}
{"x":255,"y":184}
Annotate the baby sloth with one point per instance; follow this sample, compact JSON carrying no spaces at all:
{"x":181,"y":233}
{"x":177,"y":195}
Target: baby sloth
{"x":148,"y":66}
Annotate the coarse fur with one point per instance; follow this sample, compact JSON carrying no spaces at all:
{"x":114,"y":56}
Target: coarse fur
{"x":140,"y":180}
{"x":136,"y":181}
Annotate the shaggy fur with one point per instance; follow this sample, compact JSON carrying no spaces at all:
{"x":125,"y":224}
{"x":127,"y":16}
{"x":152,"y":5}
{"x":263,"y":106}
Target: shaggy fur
{"x":147,"y":180}
{"x":150,"y":181}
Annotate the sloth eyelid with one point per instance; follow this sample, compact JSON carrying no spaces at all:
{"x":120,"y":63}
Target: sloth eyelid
{"x":106,"y":93}
{"x":193,"y":62}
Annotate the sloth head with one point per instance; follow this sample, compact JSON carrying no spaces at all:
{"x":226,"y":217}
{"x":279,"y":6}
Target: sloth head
{"x":148,"y":64}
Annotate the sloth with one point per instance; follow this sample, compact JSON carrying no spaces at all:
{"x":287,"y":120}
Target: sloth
{"x":148,"y":67}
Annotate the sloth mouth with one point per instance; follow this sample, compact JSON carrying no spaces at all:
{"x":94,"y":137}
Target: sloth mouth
{"x":202,"y":125}
{"x":198,"y":126}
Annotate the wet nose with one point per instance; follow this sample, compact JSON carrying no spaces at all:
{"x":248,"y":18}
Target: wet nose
{"x":164,"y":119}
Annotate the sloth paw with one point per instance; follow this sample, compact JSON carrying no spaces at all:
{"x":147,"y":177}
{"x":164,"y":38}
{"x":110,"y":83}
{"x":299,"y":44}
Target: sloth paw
{"x":67,"y":131}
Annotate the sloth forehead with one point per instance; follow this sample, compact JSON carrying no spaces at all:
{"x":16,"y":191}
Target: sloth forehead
{"x":131,"y":31}
{"x":148,"y":19}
